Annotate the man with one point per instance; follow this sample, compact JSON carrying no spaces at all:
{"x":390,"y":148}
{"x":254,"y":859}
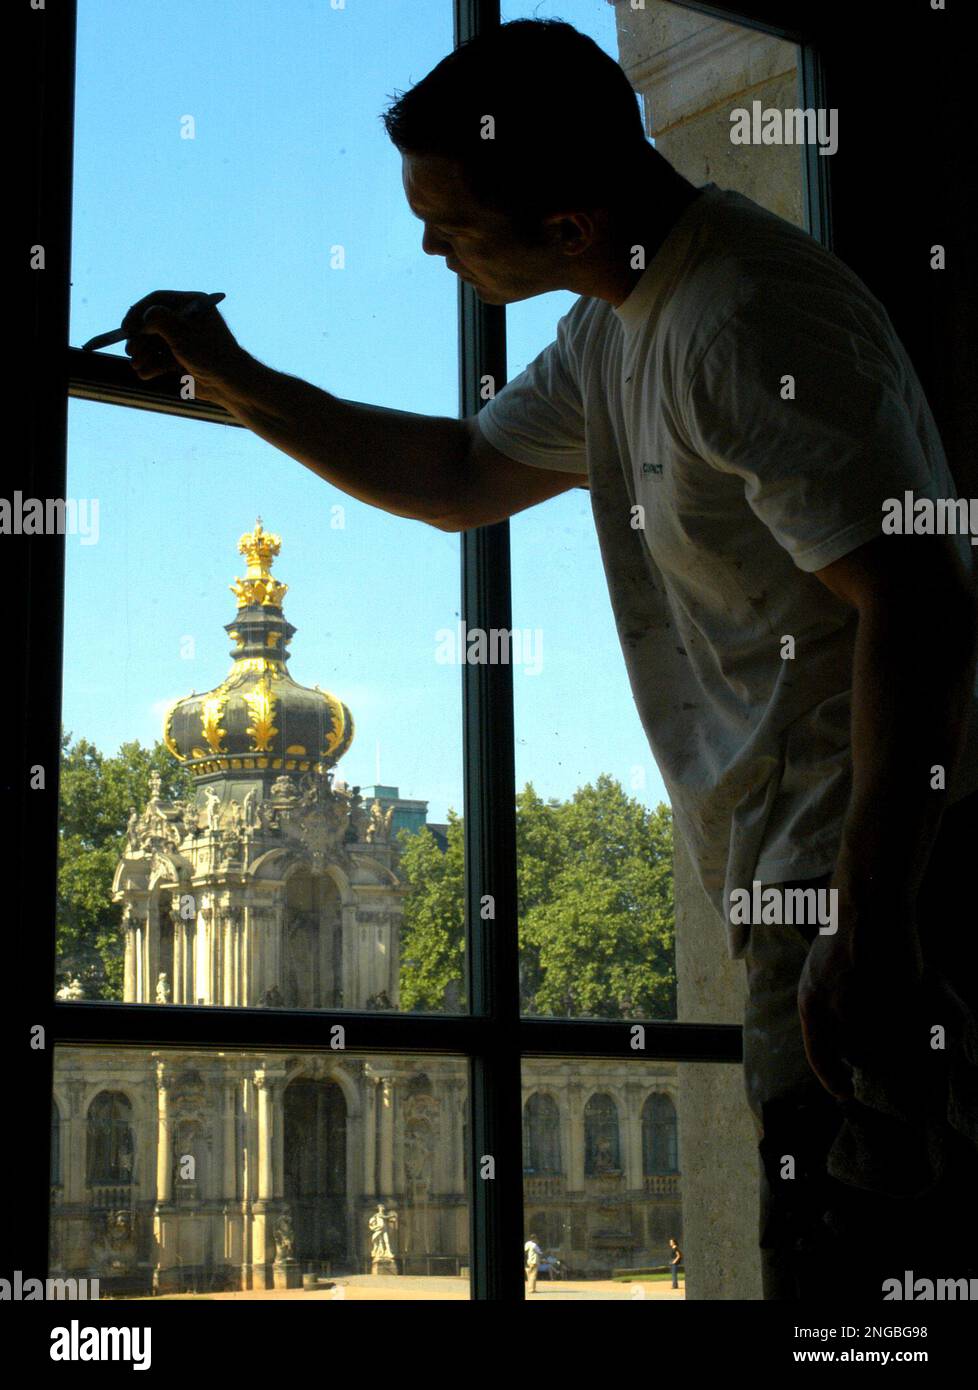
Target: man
{"x":532,"y":1254}
{"x":675,"y":1261}
{"x":741,"y":410}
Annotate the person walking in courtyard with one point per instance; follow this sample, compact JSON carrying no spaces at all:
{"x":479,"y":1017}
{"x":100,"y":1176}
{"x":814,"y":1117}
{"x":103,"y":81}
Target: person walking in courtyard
{"x":531,"y":1263}
{"x":675,"y":1262}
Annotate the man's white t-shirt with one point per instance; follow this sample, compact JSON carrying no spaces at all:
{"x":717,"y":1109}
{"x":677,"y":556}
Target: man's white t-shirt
{"x":718,"y":486}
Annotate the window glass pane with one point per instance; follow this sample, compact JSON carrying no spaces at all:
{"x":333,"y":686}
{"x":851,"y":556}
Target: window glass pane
{"x":599,"y":918}
{"x":261,"y":1175}
{"x":239,"y":148}
{"x":259,"y":788}
{"x":603,"y":1183}
{"x":255,"y":162}
{"x":622,"y":1158}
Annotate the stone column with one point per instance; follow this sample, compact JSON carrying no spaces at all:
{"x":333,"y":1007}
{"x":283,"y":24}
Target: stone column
{"x":176,"y":968}
{"x":371,"y":1086}
{"x":248,"y":1138}
{"x":461,"y":1129}
{"x":237,"y":916}
{"x":164,"y":1167}
{"x":387,"y":1137}
{"x":263,"y":947}
{"x":205,"y":985}
{"x":349,"y":983}
{"x":257,"y":955}
{"x":73,"y":1145}
{"x":179,"y":960}
{"x":265,"y":1180}
{"x":139,"y":956}
{"x":190,"y":960}
{"x":152,"y":950}
{"x":214,"y":954}
{"x":227,"y":962}
{"x":132,"y":948}
{"x":575,"y":1158}
{"x":634,"y":1176}
{"x":277,"y":1103}
{"x":394,"y":963}
{"x":247,"y":960}
{"x":229,"y":1186}
{"x":447,"y":1160}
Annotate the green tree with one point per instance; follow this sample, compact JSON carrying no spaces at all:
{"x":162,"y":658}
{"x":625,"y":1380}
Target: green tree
{"x":433,"y":934}
{"x":96,"y":794}
{"x":597,"y":925}
{"x":595,"y":901}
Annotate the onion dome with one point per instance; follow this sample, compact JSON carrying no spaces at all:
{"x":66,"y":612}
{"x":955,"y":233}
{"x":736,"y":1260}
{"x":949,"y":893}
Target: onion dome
{"x":258,"y":719}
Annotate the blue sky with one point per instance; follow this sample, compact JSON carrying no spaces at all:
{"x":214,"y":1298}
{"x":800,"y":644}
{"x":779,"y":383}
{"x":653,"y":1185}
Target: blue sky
{"x":289,"y":158}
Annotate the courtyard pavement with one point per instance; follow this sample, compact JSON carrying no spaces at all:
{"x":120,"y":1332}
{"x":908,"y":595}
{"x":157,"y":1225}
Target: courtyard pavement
{"x":361,"y":1288}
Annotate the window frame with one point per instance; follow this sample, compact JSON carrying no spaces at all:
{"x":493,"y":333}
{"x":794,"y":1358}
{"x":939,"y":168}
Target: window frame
{"x":493,"y":1037}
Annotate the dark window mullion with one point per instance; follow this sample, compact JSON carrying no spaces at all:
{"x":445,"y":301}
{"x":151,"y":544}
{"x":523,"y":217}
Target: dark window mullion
{"x":92,"y":1022}
{"x":817,"y":173}
{"x":35,"y":569}
{"x":496,"y":1219}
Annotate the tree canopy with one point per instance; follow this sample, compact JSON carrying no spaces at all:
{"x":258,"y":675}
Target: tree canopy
{"x":595,"y":901}
{"x":96,"y":794}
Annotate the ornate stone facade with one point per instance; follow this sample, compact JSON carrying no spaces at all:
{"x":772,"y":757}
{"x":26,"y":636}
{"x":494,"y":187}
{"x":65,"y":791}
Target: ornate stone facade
{"x":273,"y":886}
{"x":174,"y":1169}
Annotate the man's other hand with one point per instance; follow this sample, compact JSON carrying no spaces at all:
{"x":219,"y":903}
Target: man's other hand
{"x":857,"y":991}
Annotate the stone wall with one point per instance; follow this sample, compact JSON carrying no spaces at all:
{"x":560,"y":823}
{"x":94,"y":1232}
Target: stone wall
{"x":691,"y":72}
{"x":716,"y":1132}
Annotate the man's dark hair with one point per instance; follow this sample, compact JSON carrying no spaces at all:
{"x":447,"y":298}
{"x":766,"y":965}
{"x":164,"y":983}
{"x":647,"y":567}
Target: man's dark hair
{"x":567,"y":130}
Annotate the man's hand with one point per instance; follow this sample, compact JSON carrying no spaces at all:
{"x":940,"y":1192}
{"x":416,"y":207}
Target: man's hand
{"x":161,"y":342}
{"x":857,"y":990}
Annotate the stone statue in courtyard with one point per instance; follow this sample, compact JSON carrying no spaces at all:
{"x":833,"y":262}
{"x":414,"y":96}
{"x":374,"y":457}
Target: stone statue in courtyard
{"x":163,"y":991}
{"x":284,"y":1236}
{"x":211,"y":807}
{"x":380,"y":1225}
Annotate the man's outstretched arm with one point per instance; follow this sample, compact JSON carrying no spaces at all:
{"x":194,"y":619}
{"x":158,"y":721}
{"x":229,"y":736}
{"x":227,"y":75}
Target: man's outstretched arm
{"x":429,"y":468}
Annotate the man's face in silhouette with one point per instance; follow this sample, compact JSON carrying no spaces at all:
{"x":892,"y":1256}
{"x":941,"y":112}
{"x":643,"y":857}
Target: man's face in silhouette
{"x":477,"y":242}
